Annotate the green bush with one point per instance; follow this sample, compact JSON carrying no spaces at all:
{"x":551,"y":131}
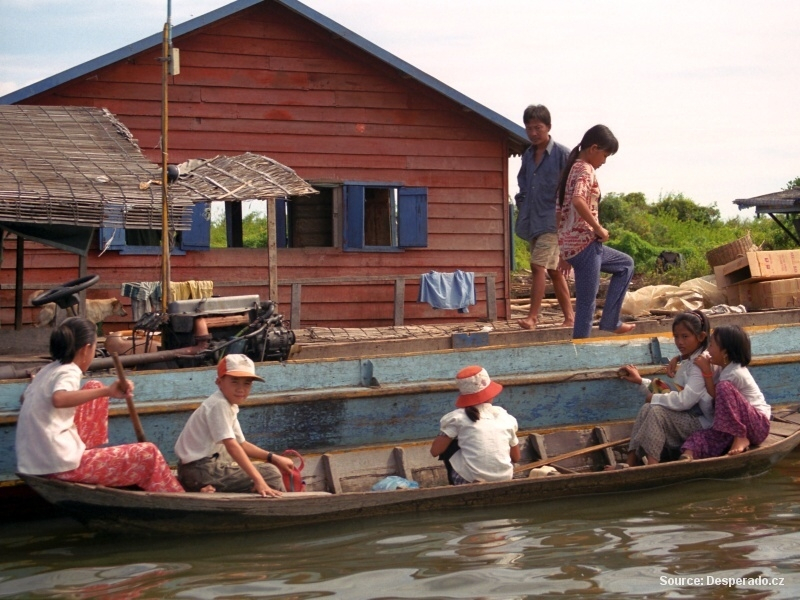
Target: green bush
{"x":677,"y":224}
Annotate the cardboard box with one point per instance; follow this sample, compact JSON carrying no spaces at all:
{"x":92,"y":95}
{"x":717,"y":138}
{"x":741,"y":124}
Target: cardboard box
{"x":779,"y":293}
{"x":759,"y":266}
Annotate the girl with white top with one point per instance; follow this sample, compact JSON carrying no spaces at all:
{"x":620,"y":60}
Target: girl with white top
{"x":667,"y":419}
{"x":741,"y":414}
{"x":61,"y":426}
{"x":478,"y":441}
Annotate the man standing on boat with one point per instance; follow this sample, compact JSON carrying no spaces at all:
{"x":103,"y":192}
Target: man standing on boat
{"x":538,"y":179}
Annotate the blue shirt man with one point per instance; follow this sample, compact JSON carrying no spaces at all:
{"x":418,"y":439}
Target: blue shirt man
{"x":538,"y":181}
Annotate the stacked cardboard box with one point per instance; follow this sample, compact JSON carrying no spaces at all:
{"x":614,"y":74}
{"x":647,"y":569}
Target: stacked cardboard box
{"x":762,"y":280}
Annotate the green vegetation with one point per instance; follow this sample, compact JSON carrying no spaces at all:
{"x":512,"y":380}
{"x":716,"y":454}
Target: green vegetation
{"x":254,"y":231}
{"x":677,"y":224}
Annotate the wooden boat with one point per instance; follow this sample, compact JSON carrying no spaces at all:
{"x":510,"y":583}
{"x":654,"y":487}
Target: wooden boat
{"x":371,"y":395}
{"x":339,"y":483}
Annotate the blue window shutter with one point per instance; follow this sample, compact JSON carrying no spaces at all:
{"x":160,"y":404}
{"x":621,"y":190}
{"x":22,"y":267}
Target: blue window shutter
{"x":412,"y":217}
{"x":282,"y":240}
{"x":199,"y":236}
{"x":104,"y":234}
{"x":353,"y":235}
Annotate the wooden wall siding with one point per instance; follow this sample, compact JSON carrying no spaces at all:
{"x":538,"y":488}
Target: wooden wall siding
{"x":270,"y":82}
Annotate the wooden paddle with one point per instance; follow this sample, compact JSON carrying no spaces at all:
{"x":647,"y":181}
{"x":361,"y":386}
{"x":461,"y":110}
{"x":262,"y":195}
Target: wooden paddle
{"x":137,"y":424}
{"x":547,"y":461}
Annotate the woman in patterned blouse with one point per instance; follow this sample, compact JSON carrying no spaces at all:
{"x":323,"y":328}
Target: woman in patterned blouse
{"x":581,"y":237}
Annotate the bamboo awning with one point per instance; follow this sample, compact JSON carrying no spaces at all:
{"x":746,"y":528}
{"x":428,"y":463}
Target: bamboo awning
{"x":247,"y":176}
{"x":80,"y":166}
{"x":787,"y":201}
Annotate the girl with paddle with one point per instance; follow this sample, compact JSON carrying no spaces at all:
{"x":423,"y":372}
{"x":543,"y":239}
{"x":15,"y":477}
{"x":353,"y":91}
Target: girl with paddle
{"x":478,"y":441}
{"x":668,"y":417}
{"x":62,"y":426}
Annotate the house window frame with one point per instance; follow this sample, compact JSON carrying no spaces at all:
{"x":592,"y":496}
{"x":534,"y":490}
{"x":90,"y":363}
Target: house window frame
{"x":198,"y":238}
{"x":410,"y":214}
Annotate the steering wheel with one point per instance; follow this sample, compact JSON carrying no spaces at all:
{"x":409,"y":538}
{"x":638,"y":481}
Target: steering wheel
{"x":63,"y":295}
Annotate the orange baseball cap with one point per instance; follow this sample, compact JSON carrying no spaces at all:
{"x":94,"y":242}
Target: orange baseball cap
{"x":237,"y":365}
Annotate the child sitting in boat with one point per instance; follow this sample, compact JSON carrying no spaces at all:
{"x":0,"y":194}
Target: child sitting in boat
{"x":213,"y":453}
{"x":61,"y":426}
{"x":741,"y":414}
{"x":478,"y":441}
{"x":668,"y":417}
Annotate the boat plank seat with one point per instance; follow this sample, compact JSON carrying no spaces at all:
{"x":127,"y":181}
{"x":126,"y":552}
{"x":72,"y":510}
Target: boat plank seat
{"x":561,"y":442}
{"x":314,"y":474}
{"x":359,"y":470}
{"x":534,"y":450}
{"x":782,"y":429}
{"x":426,"y":470}
{"x":608,"y":453}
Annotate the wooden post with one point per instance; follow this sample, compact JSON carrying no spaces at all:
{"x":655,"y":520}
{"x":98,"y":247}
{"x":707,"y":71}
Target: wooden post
{"x":19,"y":283}
{"x":399,"y":300}
{"x":82,"y":270}
{"x":295,"y":314}
{"x":491,"y":299}
{"x":272,"y":245}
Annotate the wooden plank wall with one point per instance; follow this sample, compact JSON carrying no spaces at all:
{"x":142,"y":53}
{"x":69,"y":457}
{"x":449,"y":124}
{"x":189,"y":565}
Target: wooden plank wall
{"x":270,"y":82}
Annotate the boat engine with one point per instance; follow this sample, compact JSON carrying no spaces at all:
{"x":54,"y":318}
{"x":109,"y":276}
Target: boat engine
{"x":219,"y":326}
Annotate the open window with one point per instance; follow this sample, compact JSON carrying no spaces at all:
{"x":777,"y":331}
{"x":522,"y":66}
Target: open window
{"x":308,"y":221}
{"x":378,"y":217}
{"x":148,"y":241}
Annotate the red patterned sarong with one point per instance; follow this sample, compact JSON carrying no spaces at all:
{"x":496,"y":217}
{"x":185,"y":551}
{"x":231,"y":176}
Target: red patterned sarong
{"x":140,"y":464}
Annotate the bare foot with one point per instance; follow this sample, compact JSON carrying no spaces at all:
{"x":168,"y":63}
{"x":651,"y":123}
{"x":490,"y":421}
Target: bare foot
{"x":209,"y":489}
{"x":624,"y":328}
{"x":529,"y":323}
{"x":568,"y":323}
{"x":740,"y":444}
{"x":616,"y":467}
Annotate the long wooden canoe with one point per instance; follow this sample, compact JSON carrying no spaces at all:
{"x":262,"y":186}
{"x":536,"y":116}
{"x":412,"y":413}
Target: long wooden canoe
{"x":339,"y":483}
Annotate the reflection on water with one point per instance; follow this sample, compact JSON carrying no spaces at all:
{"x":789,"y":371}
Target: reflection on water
{"x":711,"y":539}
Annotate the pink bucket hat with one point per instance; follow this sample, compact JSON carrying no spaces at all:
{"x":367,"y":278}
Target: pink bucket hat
{"x":237,"y":365}
{"x":475,"y":387}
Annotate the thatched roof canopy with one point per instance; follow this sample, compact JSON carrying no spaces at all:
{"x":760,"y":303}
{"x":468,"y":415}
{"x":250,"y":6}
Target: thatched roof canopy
{"x":244,"y":177}
{"x":79,"y":166}
{"x":785,"y":201}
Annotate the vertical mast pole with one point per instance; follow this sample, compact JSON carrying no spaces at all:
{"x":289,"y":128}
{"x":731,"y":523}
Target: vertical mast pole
{"x":165,"y":234}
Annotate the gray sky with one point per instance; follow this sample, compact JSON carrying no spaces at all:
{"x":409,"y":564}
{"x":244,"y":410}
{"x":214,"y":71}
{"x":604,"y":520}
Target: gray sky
{"x":703,"y":95}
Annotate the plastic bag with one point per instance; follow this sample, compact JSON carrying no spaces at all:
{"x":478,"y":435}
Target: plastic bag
{"x":393,"y":482}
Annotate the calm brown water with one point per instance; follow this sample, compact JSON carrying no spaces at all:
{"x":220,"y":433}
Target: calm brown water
{"x":686,"y":541}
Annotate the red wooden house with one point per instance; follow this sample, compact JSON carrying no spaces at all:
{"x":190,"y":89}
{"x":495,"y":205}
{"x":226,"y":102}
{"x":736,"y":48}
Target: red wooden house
{"x":412,"y":175}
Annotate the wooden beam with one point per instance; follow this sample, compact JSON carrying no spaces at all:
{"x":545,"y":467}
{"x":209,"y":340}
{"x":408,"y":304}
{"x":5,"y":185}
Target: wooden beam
{"x":19,"y":278}
{"x":272,"y":244}
{"x":294,"y":316}
{"x":399,"y":300}
{"x":491,"y":299}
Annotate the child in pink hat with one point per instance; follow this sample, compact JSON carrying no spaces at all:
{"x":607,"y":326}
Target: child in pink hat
{"x":478,"y":441}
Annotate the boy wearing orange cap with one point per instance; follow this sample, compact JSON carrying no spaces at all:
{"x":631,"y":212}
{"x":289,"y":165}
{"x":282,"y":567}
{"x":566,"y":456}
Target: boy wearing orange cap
{"x":478,"y":441}
{"x":212,"y":437}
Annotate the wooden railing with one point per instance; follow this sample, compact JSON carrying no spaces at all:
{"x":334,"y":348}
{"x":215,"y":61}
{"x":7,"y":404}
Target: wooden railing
{"x":399,"y":292}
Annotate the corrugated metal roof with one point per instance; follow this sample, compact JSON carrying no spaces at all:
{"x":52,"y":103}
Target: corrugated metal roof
{"x":76,"y":165}
{"x":518,"y":141}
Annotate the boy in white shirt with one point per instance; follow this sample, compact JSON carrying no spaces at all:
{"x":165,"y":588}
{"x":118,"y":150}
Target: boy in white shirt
{"x":212,"y":437}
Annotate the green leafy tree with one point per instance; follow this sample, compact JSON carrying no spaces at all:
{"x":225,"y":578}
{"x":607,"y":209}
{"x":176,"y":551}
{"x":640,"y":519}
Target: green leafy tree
{"x":685,"y":209}
{"x":254,"y":231}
